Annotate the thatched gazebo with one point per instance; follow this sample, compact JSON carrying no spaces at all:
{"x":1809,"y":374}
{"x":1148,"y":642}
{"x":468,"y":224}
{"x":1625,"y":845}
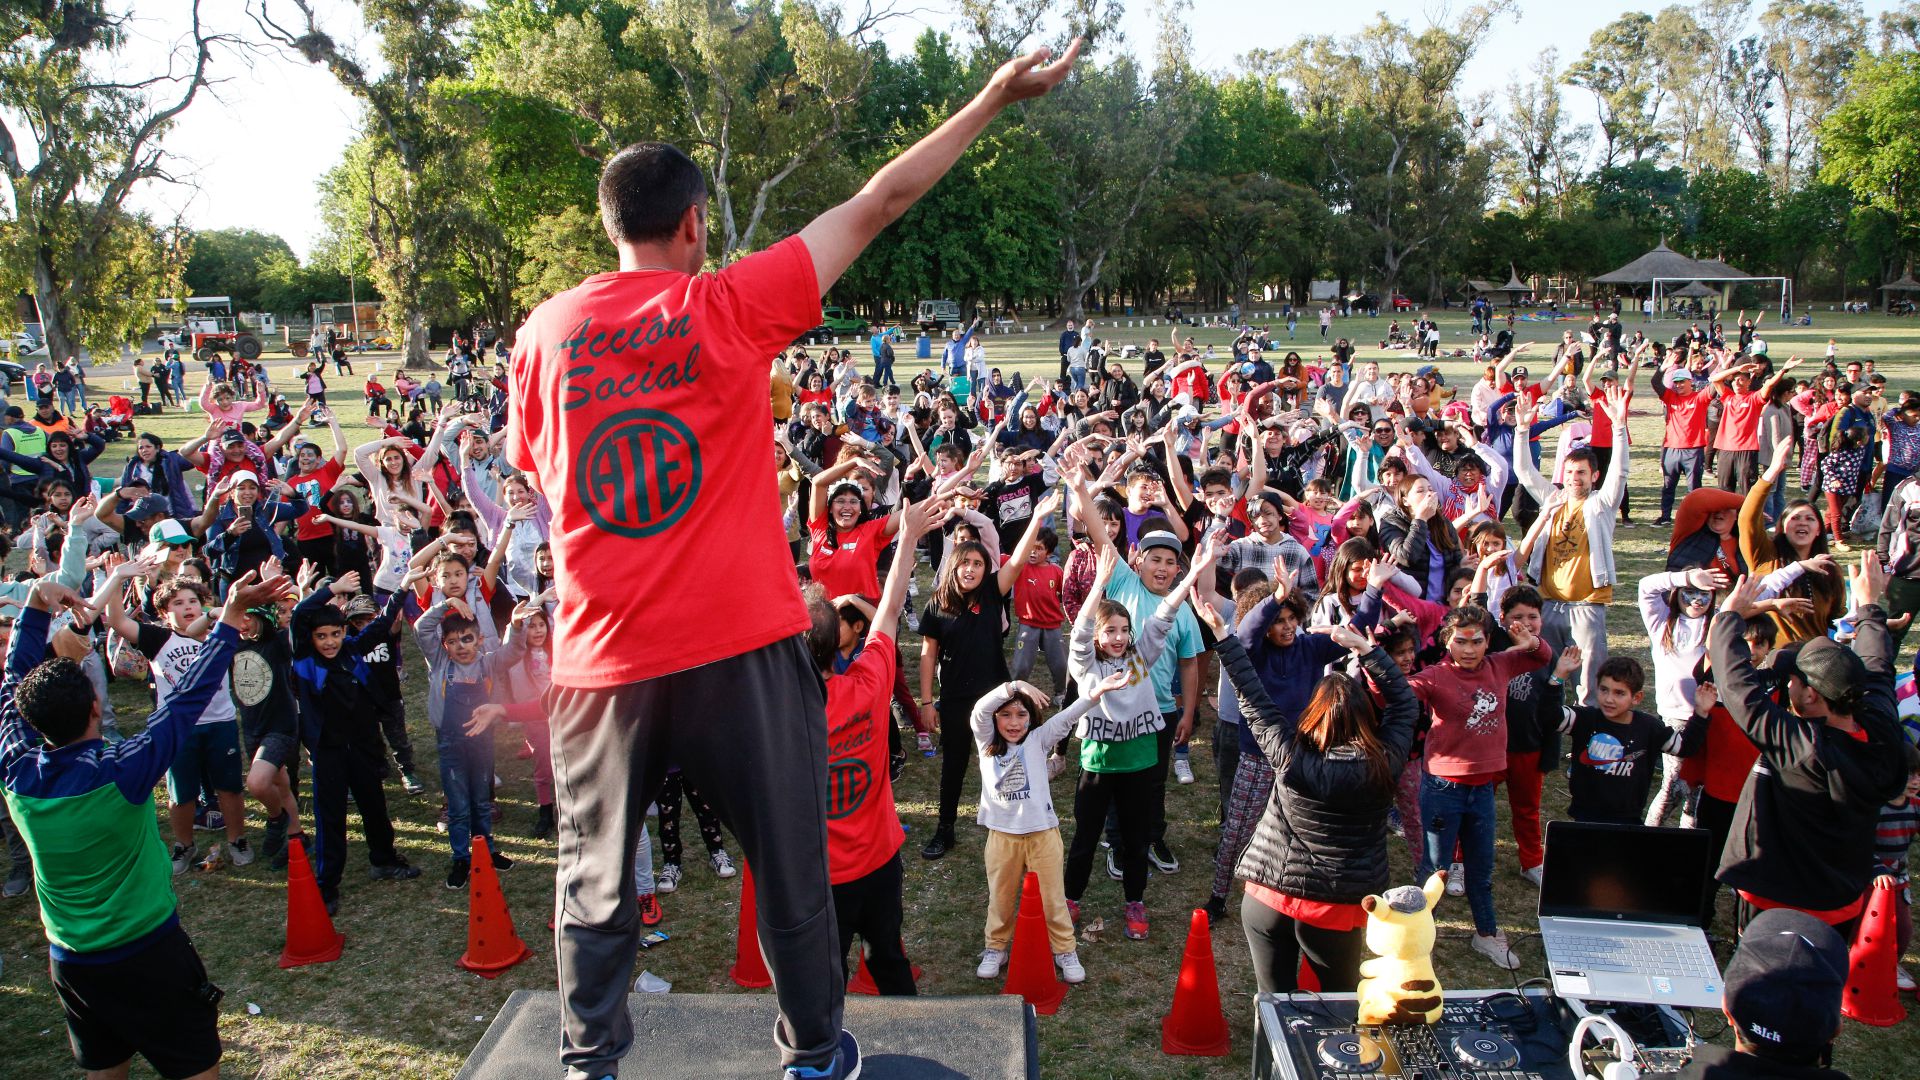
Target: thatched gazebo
{"x":1904,"y":284}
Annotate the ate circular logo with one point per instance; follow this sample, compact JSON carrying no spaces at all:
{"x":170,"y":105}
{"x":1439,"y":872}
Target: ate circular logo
{"x":638,"y":473}
{"x":848,"y":781}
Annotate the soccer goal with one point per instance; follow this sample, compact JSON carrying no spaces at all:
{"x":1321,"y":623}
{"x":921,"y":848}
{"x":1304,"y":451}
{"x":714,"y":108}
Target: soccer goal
{"x":1688,"y":298}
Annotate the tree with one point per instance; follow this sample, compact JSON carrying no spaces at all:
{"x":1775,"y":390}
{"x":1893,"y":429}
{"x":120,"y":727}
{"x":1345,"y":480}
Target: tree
{"x":406,"y":214}
{"x":1749,"y":84}
{"x":1688,"y":72}
{"x":1811,"y":44}
{"x":1869,"y":144}
{"x":1618,"y":70}
{"x":226,"y":262}
{"x":94,"y":138}
{"x":1544,"y":151}
{"x":1402,"y":165}
{"x":289,"y":288}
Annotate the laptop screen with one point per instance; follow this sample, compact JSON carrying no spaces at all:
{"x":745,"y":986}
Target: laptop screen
{"x":1629,"y":873}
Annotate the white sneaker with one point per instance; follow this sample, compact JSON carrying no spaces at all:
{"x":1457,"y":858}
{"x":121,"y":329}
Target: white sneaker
{"x":722,"y":864}
{"x":240,"y":851}
{"x":1070,"y":969}
{"x":1457,"y":879}
{"x":1901,"y":979}
{"x":990,"y":961}
{"x":1494,"y":948}
{"x":1532,"y":874}
{"x":668,"y":879}
{"x":1182,"y":769}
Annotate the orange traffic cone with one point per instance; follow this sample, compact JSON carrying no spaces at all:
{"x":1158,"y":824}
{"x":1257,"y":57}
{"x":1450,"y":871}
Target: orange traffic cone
{"x":1307,"y":980}
{"x":1031,"y":973}
{"x":1196,"y":1025}
{"x":862,"y":982}
{"x":749,"y":967}
{"x":1871,"y":996}
{"x":311,"y":938}
{"x":493,"y":946}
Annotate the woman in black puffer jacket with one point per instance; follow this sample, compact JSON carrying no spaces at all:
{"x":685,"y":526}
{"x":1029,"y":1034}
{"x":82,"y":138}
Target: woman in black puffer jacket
{"x":1322,"y":844}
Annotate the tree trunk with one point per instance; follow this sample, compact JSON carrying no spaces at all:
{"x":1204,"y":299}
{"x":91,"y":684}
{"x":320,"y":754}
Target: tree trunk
{"x":53,"y":312}
{"x":414,"y":352}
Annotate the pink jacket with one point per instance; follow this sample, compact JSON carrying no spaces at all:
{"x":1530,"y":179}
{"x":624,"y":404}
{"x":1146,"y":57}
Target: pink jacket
{"x":230,"y":414}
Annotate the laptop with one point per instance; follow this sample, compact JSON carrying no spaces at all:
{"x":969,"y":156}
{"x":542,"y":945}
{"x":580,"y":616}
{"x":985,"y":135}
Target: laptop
{"x":1620,"y":915}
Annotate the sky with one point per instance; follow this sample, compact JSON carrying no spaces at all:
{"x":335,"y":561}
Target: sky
{"x":254,"y":151}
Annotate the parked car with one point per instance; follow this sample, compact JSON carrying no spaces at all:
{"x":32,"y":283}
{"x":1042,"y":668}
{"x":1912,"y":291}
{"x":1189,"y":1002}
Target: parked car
{"x":841,"y":321}
{"x":20,"y":344}
{"x":1401,"y":303}
{"x":15,"y":374}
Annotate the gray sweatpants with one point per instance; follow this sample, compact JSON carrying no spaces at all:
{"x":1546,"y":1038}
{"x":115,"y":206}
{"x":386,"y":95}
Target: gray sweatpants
{"x":750,"y":732}
{"x":1585,"y":625}
{"x":1051,"y":644}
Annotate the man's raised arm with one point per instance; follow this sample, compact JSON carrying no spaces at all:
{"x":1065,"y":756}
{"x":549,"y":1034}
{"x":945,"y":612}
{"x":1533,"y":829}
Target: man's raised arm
{"x":837,"y":237}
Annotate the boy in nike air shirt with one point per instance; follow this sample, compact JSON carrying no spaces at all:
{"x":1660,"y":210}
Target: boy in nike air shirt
{"x":1614,"y":748}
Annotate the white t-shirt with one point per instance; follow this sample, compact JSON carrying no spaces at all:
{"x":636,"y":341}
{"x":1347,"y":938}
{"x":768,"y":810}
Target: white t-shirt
{"x":396,"y":548}
{"x":169,"y":656}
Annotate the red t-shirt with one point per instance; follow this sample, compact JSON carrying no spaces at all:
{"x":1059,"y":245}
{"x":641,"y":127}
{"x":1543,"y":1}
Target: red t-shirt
{"x":853,"y":566}
{"x":623,"y":408}
{"x":863,"y":827}
{"x":1729,"y":756}
{"x":1601,"y":429}
{"x":1686,"y":419}
{"x":1324,"y":914}
{"x":1194,"y":382}
{"x":1036,"y":596}
{"x":1739,"y":421}
{"x":1469,"y":734}
{"x":313,"y":486}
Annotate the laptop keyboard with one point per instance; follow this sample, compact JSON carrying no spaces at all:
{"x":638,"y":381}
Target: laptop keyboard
{"x":1637,"y":956}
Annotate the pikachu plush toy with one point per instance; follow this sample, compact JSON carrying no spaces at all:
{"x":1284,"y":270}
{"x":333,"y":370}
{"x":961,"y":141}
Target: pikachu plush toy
{"x":1398,"y":986}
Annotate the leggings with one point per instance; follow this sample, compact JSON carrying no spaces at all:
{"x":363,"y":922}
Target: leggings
{"x":1252,"y":787}
{"x":1277,"y":941}
{"x":956,"y":750}
{"x":703,"y":815}
{"x":1131,"y":793}
{"x":1836,"y":516}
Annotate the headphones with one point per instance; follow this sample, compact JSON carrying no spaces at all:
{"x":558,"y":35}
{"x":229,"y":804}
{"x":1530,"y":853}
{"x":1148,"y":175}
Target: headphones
{"x":1622,"y":1066}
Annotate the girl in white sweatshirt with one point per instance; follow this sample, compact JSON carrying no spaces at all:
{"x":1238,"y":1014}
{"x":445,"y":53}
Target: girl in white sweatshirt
{"x":1016,"y":806}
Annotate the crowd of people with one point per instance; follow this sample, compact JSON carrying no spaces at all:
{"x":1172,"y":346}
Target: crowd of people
{"x":1377,"y":589}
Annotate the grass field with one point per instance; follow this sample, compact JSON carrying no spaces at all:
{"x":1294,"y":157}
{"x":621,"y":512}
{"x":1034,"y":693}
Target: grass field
{"x":395,"y":1004}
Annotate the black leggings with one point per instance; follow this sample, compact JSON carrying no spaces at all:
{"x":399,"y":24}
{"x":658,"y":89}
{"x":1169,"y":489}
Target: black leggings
{"x":703,"y":815}
{"x":1276,"y":942}
{"x":1131,"y":795}
{"x":871,"y":907}
{"x":956,"y":750}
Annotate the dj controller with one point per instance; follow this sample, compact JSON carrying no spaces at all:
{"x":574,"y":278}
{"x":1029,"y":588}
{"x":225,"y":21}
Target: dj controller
{"x":1482,"y":1035}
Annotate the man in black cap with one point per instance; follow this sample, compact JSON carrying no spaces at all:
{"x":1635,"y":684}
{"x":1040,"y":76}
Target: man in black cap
{"x":1804,"y":828}
{"x":1784,"y":986}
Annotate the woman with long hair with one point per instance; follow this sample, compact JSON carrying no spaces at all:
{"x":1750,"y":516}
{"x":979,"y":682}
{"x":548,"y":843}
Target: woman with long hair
{"x":1798,"y":536}
{"x":1414,"y":532}
{"x":1321,"y":845}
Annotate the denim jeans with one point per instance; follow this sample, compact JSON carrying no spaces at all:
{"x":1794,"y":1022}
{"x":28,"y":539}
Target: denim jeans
{"x":1689,"y":462}
{"x":466,"y":776}
{"x":643,"y":882}
{"x":67,"y":399}
{"x":1462,"y":813}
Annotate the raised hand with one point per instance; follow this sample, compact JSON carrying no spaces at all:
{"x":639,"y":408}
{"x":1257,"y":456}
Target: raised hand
{"x":1739,"y":599}
{"x":1344,"y":636}
{"x":1568,"y":664}
{"x":1705,"y":697}
{"x":1380,"y":571}
{"x":1869,"y":579}
{"x":1116,"y":681}
{"x":250,"y":591}
{"x":1708,"y":580}
{"x":484,"y":717}
{"x":1782,"y":449}
{"x":1208,"y":613}
{"x":1039,"y":696}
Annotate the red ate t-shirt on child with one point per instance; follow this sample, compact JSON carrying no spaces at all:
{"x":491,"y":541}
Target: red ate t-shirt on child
{"x":1036,"y":596}
{"x":314,"y":486}
{"x":852,"y":565}
{"x":626,"y":407}
{"x":863,"y":826}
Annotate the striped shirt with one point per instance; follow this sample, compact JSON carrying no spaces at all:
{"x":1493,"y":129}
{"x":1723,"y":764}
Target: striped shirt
{"x":1898,"y":826}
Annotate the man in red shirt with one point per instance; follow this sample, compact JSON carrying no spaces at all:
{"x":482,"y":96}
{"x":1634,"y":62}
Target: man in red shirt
{"x":863,"y":826}
{"x":621,"y":409}
{"x":1736,"y":444}
{"x":1684,"y":445}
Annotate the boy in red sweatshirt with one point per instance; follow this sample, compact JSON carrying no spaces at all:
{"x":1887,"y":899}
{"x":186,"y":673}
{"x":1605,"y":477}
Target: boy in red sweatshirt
{"x":1466,"y":756}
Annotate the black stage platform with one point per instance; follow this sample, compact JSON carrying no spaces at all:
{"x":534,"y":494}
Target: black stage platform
{"x":721,"y":1036}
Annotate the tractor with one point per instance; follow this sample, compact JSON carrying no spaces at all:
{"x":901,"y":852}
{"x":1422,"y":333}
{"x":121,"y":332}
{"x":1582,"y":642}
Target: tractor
{"x":212,"y":335}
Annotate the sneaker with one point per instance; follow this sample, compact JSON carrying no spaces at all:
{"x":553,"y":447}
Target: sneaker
{"x":20,"y":879}
{"x":938,"y":844}
{"x":650,"y":913}
{"x":1070,"y":970}
{"x":500,"y":862}
{"x":1113,"y":866}
{"x":990,"y":962}
{"x":458,"y":872}
{"x":1457,"y":879}
{"x":242,"y":852}
{"x":411,"y":783}
{"x":1494,"y":947}
{"x":543,"y":823}
{"x":1182,"y":769}
{"x":1162,"y":857}
{"x":1136,"y":918}
{"x":399,"y":870}
{"x":668,"y":879}
{"x":442,"y":823}
{"x":1901,"y":979}
{"x":1216,"y":909}
{"x":722,"y":864}
{"x":846,"y":1063}
{"x":1662,"y":523}
{"x":1532,"y":874}
{"x":925,"y":742}
{"x":211,"y":861}
{"x":209,"y":821}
